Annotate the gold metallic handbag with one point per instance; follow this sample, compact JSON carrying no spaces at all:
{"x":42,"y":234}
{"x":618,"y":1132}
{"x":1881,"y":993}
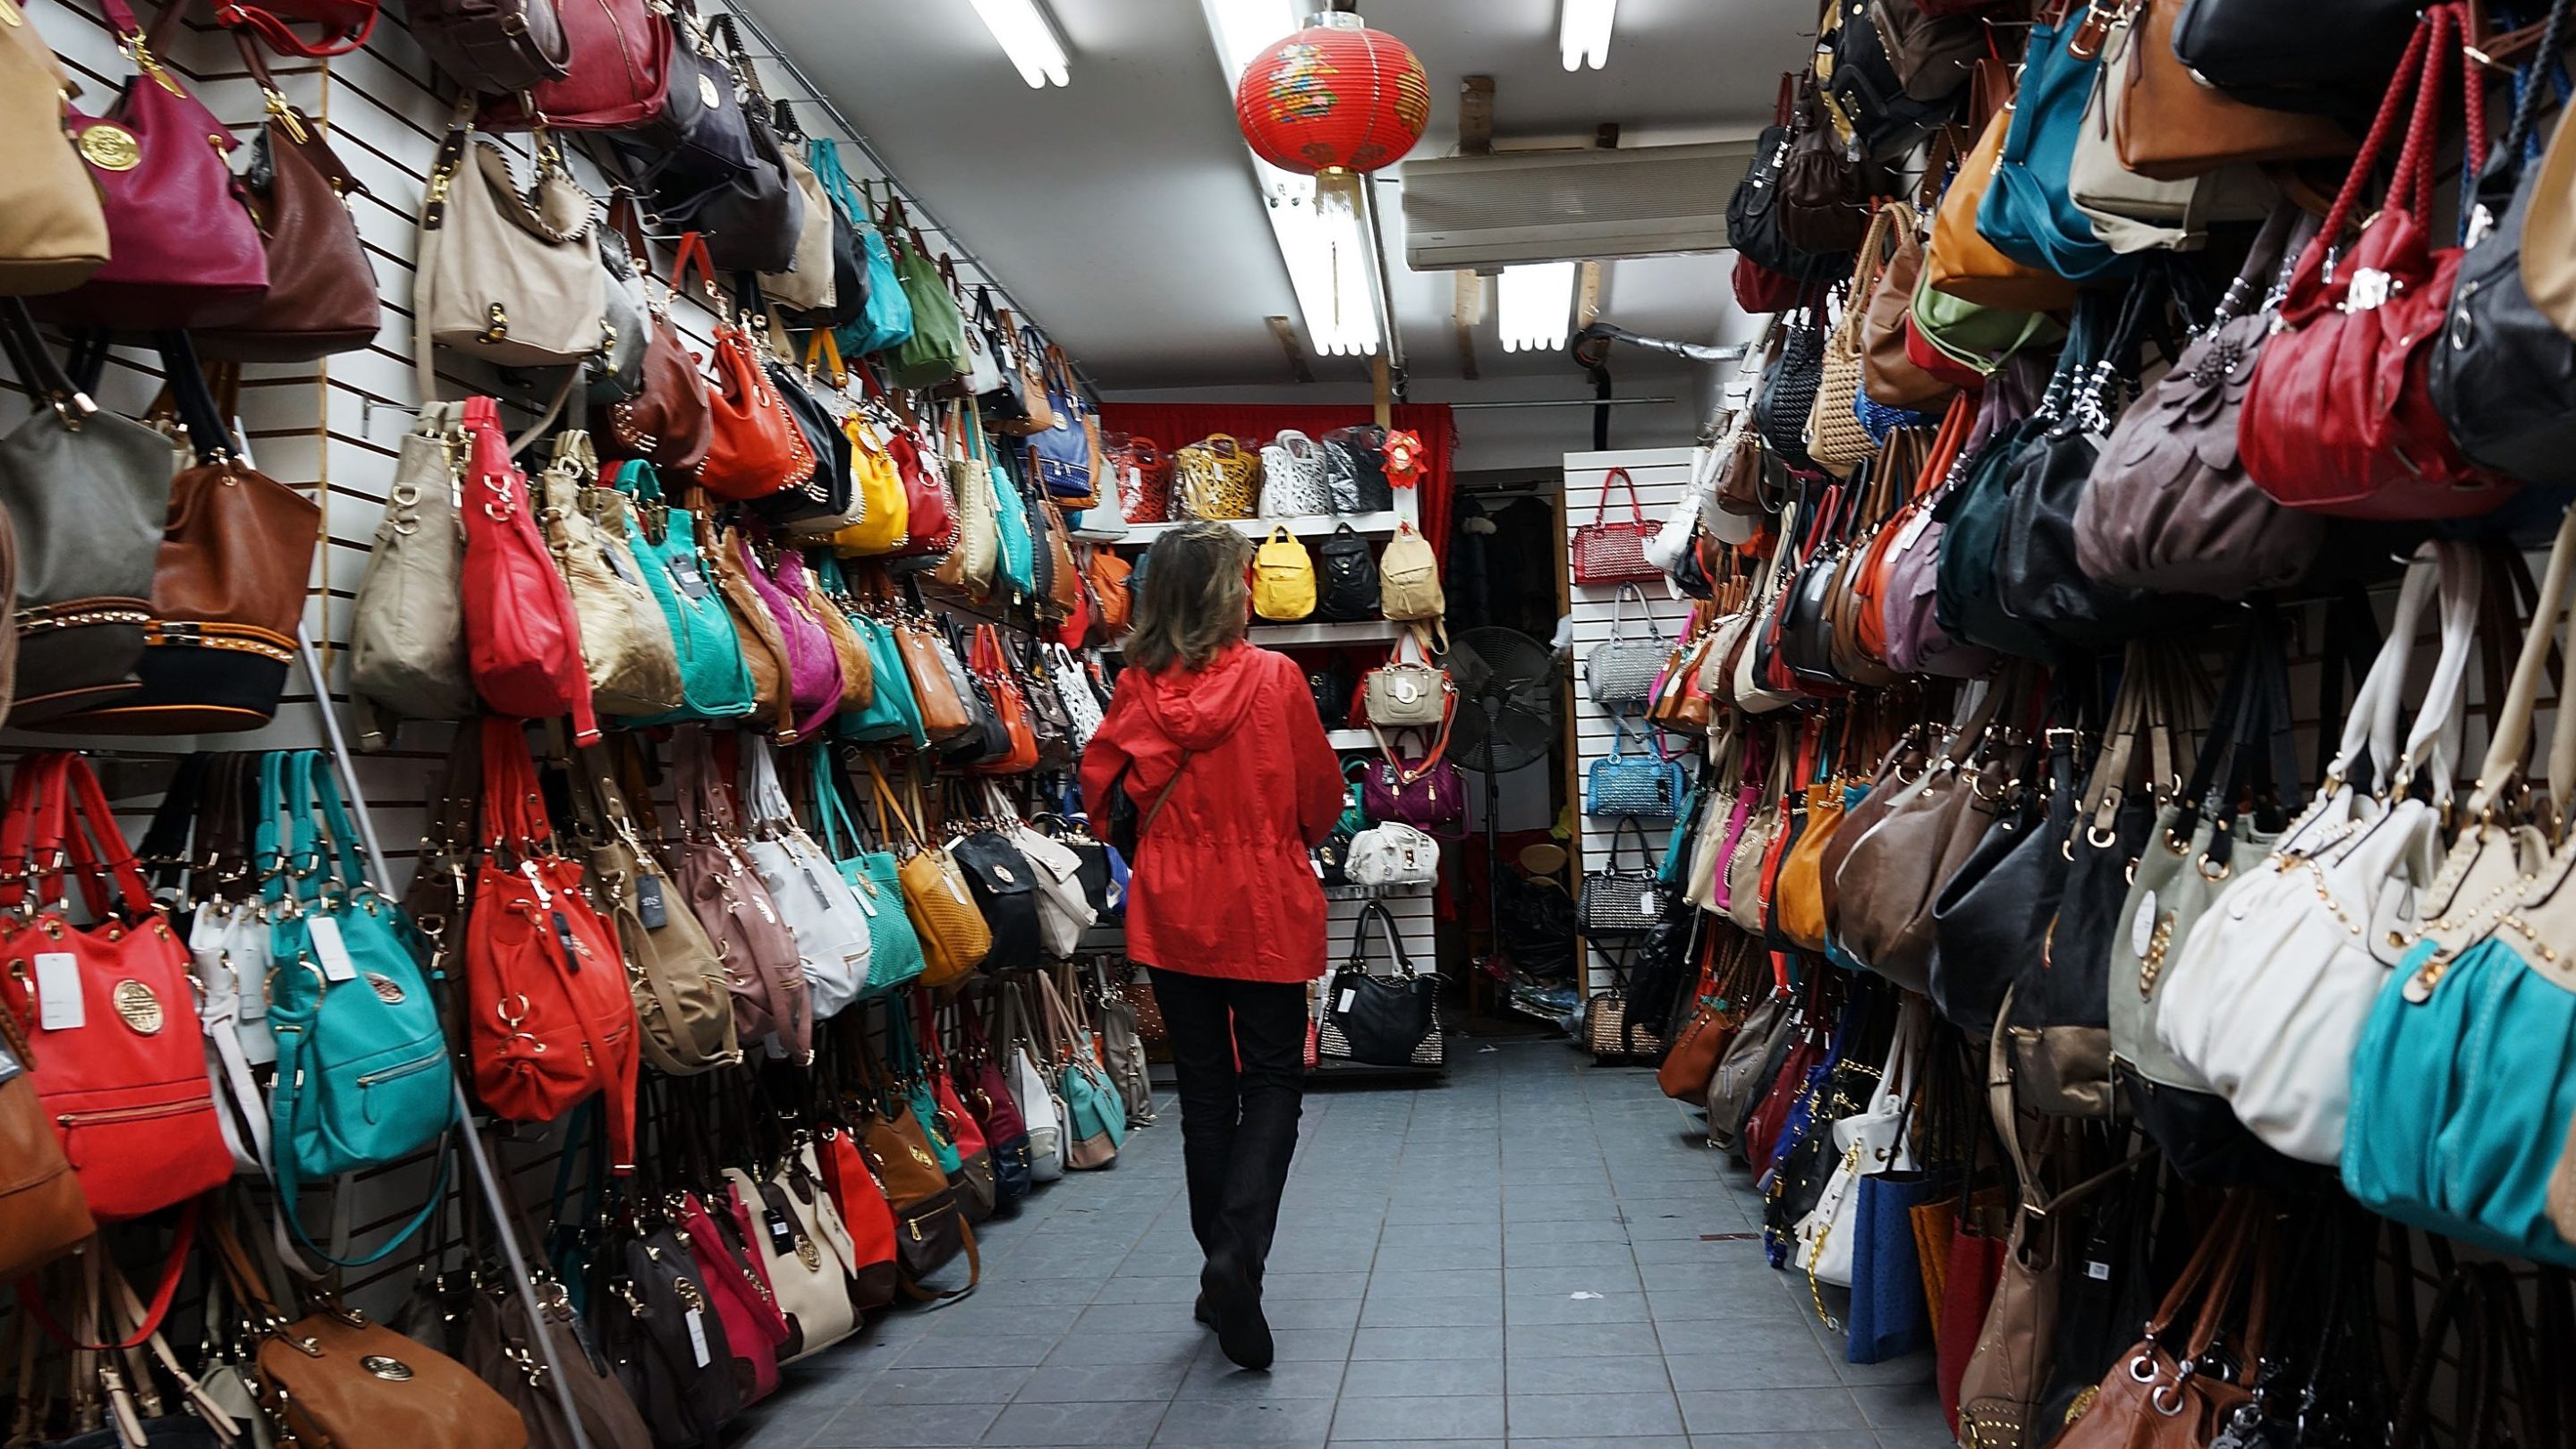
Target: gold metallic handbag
{"x":625,"y":641}
{"x":1217,"y":478}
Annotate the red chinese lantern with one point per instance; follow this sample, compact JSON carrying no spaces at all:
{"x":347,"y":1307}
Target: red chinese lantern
{"x":1334,"y":97}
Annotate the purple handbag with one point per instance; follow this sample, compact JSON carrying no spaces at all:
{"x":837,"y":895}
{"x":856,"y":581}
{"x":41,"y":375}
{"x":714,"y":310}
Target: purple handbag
{"x":813,"y":670}
{"x":1426,"y":793}
{"x":1916,"y":643}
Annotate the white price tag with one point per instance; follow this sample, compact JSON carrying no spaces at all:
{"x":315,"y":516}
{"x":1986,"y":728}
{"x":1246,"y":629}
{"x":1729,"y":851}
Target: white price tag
{"x":2142,"y":931}
{"x":861,"y":896}
{"x":698,"y":1336}
{"x":334,"y":952}
{"x":1646,"y":902}
{"x":1350,"y":995}
{"x":58,"y":992}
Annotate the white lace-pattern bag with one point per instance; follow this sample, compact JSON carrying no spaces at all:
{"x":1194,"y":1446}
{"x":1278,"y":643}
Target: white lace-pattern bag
{"x":1081,"y":707}
{"x":1293,"y":477}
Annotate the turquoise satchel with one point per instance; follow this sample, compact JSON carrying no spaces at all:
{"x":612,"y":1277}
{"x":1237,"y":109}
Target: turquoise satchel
{"x":904,"y":1049}
{"x":2028,"y":212}
{"x":1015,"y":567}
{"x":715,"y":683}
{"x":894,"y":949}
{"x":894,"y":713}
{"x":362,"y":1074}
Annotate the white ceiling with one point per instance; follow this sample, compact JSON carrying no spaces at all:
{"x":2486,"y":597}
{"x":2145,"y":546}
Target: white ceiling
{"x":1122,"y":209}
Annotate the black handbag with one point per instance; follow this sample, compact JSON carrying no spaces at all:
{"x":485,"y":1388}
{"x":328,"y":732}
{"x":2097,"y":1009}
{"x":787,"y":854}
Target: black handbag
{"x":825,"y":493}
{"x":1381,"y":1020}
{"x":1616,"y":900}
{"x":1006,"y":407}
{"x":1886,"y":119}
{"x":716,"y":166}
{"x":1788,"y":387}
{"x":1345,"y":579}
{"x":1806,"y":642}
{"x":1753,"y":212}
{"x":1004,"y":886}
{"x":701,"y":139}
{"x":1365,"y":448}
{"x":2503,"y":375}
{"x":1824,"y":196}
{"x":646,"y":1318}
{"x":2274,"y":53}
{"x":1331,"y":684}
{"x":2001,"y":898}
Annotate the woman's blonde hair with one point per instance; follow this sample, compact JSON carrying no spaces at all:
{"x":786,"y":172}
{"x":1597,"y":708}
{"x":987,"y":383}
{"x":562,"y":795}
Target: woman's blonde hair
{"x":1194,"y":601}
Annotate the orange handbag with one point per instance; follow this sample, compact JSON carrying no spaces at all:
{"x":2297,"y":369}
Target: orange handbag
{"x":1010,"y":706}
{"x":1109,"y":589}
{"x":754,"y":447}
{"x":550,"y":1021}
{"x":1963,"y":264}
{"x":1904,"y":529}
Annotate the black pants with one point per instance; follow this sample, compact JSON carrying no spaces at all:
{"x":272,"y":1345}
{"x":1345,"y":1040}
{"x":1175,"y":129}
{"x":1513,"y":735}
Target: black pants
{"x":1239,"y":1051}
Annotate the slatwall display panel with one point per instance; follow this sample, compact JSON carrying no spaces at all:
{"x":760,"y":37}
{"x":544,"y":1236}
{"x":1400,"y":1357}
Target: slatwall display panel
{"x":1661,"y":475}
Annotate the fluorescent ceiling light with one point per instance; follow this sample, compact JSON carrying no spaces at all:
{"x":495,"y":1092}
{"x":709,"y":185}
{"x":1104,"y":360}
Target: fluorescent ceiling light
{"x":1584,"y":34}
{"x":1245,"y":28}
{"x":1328,"y":263}
{"x":1025,"y":36}
{"x":1535,"y":305}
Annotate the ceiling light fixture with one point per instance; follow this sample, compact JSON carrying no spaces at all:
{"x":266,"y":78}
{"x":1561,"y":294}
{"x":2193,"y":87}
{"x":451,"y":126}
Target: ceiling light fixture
{"x":1328,"y":264}
{"x":1245,"y":28}
{"x":1021,"y":29}
{"x":1584,"y":33}
{"x":1535,"y":305}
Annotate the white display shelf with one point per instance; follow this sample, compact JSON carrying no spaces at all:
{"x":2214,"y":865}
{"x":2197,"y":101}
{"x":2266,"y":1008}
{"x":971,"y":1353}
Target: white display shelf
{"x":1350,"y":739}
{"x":1306,"y":525}
{"x":1365,"y":631}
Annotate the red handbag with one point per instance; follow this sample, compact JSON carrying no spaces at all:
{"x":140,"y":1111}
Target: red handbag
{"x":346,"y":24}
{"x":865,"y":1212}
{"x":1010,"y":706}
{"x":184,"y":251}
{"x":754,"y":1329}
{"x":1613,"y":551}
{"x":617,"y":72}
{"x":2340,"y":417}
{"x":930,"y":514}
{"x":1759,"y":289}
{"x":550,"y":1023}
{"x":522,"y":638}
{"x":754,"y":447}
{"x":109,"y":1008}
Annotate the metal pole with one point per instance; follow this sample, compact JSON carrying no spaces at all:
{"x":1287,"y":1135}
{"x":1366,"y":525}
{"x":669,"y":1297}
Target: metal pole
{"x":474,"y":1154}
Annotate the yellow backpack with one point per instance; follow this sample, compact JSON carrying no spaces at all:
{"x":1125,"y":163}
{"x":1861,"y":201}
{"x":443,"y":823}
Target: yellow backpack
{"x":1283,"y":578}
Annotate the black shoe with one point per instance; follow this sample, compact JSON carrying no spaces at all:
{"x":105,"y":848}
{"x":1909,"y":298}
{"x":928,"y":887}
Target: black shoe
{"x":1235,"y":1304}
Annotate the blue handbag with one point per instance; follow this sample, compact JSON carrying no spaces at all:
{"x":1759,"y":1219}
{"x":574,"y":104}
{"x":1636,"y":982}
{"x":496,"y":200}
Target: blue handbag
{"x":894,"y":948}
{"x":887,"y":322}
{"x":1890,"y":1317}
{"x":2027,"y":212}
{"x":1637,"y":787}
{"x":1059,"y":458}
{"x":362,"y":1074}
{"x":715,"y":682}
{"x":1673,"y":872}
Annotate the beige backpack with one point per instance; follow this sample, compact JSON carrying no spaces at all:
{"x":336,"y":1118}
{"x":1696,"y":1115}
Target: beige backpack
{"x":1409,"y":582}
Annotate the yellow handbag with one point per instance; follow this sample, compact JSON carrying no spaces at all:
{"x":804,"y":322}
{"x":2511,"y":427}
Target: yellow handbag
{"x":1216,"y":478}
{"x":1283,"y":578}
{"x":885,"y":521}
{"x":954,"y":937}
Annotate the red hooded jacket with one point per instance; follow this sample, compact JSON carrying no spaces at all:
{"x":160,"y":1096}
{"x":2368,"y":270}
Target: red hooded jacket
{"x":1224,"y":886}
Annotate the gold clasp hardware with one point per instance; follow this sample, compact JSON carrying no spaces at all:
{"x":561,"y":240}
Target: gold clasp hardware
{"x":499,"y":327}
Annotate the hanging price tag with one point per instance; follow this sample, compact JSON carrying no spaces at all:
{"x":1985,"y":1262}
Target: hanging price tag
{"x":332,"y":951}
{"x":59,"y":1006}
{"x":698,"y":1336}
{"x":648,"y":902}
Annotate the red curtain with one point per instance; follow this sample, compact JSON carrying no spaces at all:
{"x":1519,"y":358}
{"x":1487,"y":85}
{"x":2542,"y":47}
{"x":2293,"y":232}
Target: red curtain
{"x":1175,"y":425}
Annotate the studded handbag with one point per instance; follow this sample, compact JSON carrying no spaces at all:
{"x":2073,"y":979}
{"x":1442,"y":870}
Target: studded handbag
{"x":1619,"y":900}
{"x":1620,"y":671}
{"x":1642,"y":786}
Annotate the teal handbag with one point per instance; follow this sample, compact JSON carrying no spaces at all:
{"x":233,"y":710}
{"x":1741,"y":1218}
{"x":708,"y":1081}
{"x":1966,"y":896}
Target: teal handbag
{"x":1015,"y":566}
{"x":2027,"y":212}
{"x":715,"y":683}
{"x":1354,"y":817}
{"x":894,"y":948}
{"x":887,"y":322}
{"x":892,"y":712}
{"x":362,"y":1074}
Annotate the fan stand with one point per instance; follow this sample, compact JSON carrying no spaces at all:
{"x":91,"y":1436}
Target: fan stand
{"x":1490,"y":975}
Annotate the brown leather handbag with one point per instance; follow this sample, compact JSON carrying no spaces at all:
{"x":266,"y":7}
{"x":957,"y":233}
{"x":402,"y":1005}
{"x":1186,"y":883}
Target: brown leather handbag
{"x":322,"y":294}
{"x":1964,"y":264}
{"x":42,"y":1212}
{"x":764,"y":648}
{"x":2169,"y":126}
{"x":1738,"y":975}
{"x":1889,"y":881}
{"x":666,"y":421}
{"x":944,"y":715}
{"x":1822,"y":197}
{"x":53,"y":233}
{"x":2169,"y":1394}
{"x":1886,"y":373}
{"x":334,"y":1379}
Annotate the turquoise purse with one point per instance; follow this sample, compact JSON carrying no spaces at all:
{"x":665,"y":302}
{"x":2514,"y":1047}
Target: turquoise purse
{"x":362,"y":1074}
{"x":892,"y":712}
{"x":715,"y":682}
{"x":894,"y":949}
{"x":1015,"y":568}
{"x":887,"y":323}
{"x":905,"y":1051}
{"x":2028,"y":213}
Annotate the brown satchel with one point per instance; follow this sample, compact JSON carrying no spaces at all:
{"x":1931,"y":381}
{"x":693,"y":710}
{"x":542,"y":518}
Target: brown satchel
{"x":1735,"y":976}
{"x":2164,"y":1395}
{"x":1888,"y":882}
{"x":764,"y":648}
{"x":42,"y":1212}
{"x":334,"y":1379}
{"x":2168,"y":126}
{"x":1963,"y":263}
{"x":1886,"y":373}
{"x":321,"y":295}
{"x":668,"y":421}
{"x":943,"y":711}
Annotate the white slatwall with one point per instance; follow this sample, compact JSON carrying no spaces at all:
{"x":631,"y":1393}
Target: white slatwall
{"x":1661,"y":475}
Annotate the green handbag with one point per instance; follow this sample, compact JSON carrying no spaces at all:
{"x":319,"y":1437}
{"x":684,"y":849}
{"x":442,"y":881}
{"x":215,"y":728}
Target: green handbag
{"x":894,"y":948}
{"x":935,"y":354}
{"x":362,"y":1074}
{"x":1979,"y":338}
{"x":715,"y":683}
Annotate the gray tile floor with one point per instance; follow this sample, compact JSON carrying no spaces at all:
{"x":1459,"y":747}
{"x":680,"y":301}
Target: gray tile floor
{"x":1519,"y":1254}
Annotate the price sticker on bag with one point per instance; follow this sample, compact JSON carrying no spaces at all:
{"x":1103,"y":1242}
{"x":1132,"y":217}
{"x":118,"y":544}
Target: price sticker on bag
{"x":332,"y":951}
{"x":59,"y":1006}
{"x":686,"y":576}
{"x":1350,"y":997}
{"x":782,"y":1234}
{"x":698,"y":1337}
{"x":648,"y":902}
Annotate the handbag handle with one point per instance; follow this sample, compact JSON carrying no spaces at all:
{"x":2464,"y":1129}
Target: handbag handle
{"x":1600,"y":509}
{"x":2419,"y":77}
{"x":1358,"y":959}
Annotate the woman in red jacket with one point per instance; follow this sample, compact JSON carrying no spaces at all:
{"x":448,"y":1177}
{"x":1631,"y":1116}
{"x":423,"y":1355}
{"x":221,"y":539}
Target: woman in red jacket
{"x":1233,"y":781}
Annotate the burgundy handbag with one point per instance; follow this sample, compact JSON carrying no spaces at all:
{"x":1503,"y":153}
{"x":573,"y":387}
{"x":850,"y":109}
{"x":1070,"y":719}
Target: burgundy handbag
{"x":346,"y":24}
{"x":1427,"y":793}
{"x":1613,"y":551}
{"x":615,"y":78}
{"x":813,"y":670}
{"x":183,"y":251}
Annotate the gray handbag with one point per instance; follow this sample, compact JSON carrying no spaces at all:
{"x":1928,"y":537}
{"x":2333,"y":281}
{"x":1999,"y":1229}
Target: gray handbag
{"x":407,"y":635}
{"x":1620,"y":671}
{"x":1122,"y":1045}
{"x":615,"y":373}
{"x":86,"y":495}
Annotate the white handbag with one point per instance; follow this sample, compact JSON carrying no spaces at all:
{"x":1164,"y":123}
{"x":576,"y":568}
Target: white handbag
{"x":1293,"y":481}
{"x":810,"y":1276}
{"x":228,"y":951}
{"x":1082,"y":710}
{"x":831,"y":927}
{"x":1673,"y":536}
{"x":1040,"y":1108}
{"x":1743,"y":690}
{"x":1392,"y":854}
{"x":1871,"y":1141}
{"x":2266,"y":1000}
{"x":1064,"y":911}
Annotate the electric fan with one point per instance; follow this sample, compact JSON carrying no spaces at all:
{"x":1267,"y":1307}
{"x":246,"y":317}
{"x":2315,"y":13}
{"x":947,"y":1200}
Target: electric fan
{"x":1507,"y":701}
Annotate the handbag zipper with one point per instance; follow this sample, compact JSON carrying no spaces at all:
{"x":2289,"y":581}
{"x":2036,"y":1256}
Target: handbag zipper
{"x":69,"y":1120}
{"x":406,"y":1069}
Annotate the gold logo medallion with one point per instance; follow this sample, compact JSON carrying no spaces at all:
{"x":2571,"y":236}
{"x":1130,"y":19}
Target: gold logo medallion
{"x":393,"y":1370}
{"x":110,"y":147}
{"x":388,"y":990}
{"x":135,"y":1002}
{"x":808,"y":1254}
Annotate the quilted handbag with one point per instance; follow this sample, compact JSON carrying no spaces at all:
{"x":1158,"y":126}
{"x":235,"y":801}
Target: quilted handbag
{"x":1616,"y":900}
{"x":1294,"y":479}
{"x":1378,"y":1020}
{"x":1786,"y":396}
{"x":1619,"y":672}
{"x":1643,"y":786}
{"x":1613,"y":551}
{"x":1215,"y":479}
{"x":2340,"y":418}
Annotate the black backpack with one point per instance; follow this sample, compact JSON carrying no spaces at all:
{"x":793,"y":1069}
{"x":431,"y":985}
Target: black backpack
{"x":1345,"y":578}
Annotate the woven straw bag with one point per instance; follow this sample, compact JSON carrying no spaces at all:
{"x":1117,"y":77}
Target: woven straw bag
{"x":1835,"y":437}
{"x":1216,"y":479}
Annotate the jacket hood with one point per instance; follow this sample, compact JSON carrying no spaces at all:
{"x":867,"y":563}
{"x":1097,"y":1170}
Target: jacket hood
{"x":1197,"y":709}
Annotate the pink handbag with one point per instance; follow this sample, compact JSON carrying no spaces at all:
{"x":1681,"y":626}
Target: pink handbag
{"x":183,"y":251}
{"x":813,"y":669}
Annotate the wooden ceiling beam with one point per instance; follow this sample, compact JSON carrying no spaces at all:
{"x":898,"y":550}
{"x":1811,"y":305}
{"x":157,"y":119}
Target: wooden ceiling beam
{"x":1286,"y":331}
